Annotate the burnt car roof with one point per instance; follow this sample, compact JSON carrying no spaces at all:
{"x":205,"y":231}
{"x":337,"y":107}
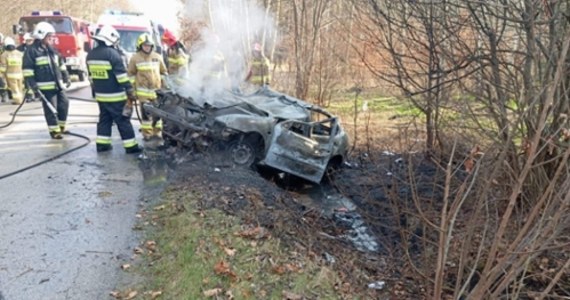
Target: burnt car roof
{"x":275,"y":104}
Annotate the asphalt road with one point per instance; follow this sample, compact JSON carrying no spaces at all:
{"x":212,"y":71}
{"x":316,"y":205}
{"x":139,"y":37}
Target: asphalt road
{"x":65,"y":225}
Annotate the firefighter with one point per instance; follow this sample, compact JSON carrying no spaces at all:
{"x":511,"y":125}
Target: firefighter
{"x":177,"y":58}
{"x":28,"y":40}
{"x":11,"y":70}
{"x":112,"y":88}
{"x":259,"y":73}
{"x":3,"y":90}
{"x":218,"y":71}
{"x":1,"y":43}
{"x":147,"y":70}
{"x":45,"y":73}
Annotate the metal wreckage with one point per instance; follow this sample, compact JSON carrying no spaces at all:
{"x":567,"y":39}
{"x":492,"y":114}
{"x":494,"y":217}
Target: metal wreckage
{"x":266,"y":127}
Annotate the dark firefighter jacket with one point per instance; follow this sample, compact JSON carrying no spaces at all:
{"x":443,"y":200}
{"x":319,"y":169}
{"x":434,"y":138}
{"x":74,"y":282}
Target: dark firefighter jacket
{"x":43,"y":68}
{"x":108,"y":73}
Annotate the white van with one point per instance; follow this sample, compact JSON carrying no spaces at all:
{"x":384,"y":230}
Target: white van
{"x":130,"y":26}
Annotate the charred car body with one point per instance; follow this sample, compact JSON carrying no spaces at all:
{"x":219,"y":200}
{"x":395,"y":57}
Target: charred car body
{"x":266,"y":127}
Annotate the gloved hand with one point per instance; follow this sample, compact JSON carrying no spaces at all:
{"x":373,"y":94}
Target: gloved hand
{"x":37,"y":93}
{"x":131,"y":96}
{"x":128,"y":108}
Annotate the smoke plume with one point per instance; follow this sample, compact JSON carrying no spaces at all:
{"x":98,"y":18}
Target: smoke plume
{"x":234,"y":25}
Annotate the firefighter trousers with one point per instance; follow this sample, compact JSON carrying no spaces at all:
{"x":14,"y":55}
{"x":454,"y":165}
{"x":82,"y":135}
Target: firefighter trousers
{"x":16,"y":87}
{"x":110,"y":112}
{"x":151,"y":126}
{"x":58,"y":99}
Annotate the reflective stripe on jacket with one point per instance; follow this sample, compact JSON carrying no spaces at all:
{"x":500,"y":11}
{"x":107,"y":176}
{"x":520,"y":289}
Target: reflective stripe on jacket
{"x":146,"y":69}
{"x":43,"y":67}
{"x":108,"y":74}
{"x":11,"y":64}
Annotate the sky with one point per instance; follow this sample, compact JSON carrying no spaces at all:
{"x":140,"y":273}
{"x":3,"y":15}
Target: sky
{"x":163,"y":11}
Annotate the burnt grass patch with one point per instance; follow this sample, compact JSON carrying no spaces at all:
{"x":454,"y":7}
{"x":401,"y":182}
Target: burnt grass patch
{"x":384,"y":188}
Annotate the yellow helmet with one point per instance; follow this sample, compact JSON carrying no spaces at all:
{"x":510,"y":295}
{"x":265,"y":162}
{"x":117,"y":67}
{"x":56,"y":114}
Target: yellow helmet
{"x":144,"y":39}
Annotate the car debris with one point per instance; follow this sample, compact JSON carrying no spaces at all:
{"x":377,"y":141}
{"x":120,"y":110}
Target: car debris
{"x":263,"y":128}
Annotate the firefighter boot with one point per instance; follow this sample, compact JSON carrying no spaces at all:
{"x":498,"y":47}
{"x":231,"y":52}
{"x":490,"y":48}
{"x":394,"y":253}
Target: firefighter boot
{"x":5,"y":96}
{"x":134,"y":149}
{"x":104,"y":147}
{"x":56,"y":135}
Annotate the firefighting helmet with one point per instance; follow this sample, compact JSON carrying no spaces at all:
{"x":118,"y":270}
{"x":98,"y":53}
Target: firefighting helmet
{"x":144,"y":39}
{"x":108,"y":35}
{"x":93,"y":29}
{"x":8,"y":41}
{"x":169,"y":38}
{"x":42,"y":30}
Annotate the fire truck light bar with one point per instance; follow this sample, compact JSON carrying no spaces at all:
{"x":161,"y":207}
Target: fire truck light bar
{"x":46,"y":13}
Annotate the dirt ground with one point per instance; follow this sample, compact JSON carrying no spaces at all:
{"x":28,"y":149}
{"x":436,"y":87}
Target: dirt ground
{"x":360,"y":235}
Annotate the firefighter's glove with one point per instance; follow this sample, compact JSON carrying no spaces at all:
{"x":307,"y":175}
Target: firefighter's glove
{"x":65,"y":78}
{"x":128,"y":110}
{"x":131,"y":97}
{"x":37,"y":93}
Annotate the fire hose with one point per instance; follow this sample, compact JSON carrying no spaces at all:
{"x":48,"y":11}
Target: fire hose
{"x":53,"y":110}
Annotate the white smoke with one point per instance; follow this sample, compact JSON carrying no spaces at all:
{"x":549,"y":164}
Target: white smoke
{"x":234,"y":26}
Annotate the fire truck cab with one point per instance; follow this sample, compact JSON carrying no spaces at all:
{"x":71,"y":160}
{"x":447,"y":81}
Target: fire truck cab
{"x":72,"y":37}
{"x":130,"y":26}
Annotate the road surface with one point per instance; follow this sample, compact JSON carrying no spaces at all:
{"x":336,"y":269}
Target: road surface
{"x":65,"y":225}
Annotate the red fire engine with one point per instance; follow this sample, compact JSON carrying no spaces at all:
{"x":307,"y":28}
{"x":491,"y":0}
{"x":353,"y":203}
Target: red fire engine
{"x":73,"y":39}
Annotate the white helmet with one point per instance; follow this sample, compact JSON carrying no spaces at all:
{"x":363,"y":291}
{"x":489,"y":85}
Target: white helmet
{"x":8,"y":41}
{"x":42,"y":29}
{"x":108,"y":35}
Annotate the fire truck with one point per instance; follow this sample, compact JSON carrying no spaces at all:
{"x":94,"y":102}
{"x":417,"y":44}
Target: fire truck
{"x":72,"y":37}
{"x":130,"y":26}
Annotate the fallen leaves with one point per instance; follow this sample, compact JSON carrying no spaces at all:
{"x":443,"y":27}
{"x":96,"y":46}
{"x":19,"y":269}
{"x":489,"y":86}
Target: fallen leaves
{"x":291,"y":296}
{"x":126,"y":295}
{"x":150,"y":245}
{"x":153,"y":294}
{"x":132,"y":294}
{"x":213,"y":292}
{"x":255,"y":233}
{"x":230,"y":251}
{"x":223,"y":268}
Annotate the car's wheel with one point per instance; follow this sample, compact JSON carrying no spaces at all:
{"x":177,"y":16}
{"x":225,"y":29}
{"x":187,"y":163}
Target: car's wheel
{"x":332,"y":168}
{"x":245,"y":150}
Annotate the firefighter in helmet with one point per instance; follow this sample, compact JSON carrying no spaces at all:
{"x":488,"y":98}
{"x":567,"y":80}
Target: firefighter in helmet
{"x":1,"y":43}
{"x":147,"y":70}
{"x":177,"y":63}
{"x":45,"y":73}
{"x":28,"y":40}
{"x":3,"y":91}
{"x":259,"y":73}
{"x":11,"y":70}
{"x":112,"y":88}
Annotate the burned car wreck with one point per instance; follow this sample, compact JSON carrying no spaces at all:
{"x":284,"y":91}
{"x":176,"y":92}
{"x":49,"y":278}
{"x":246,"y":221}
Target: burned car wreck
{"x":267,"y":128}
